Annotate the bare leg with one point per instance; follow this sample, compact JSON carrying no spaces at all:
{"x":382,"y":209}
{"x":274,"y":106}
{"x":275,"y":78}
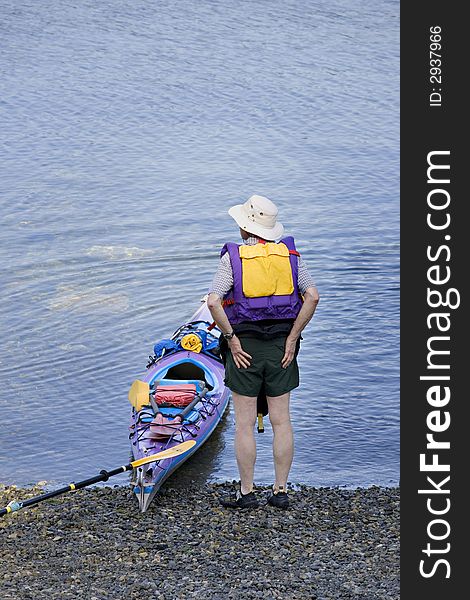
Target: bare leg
{"x":245,"y":445}
{"x":283,"y":440}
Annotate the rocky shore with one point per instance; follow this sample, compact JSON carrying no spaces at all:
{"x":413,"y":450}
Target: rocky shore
{"x":93,"y":544}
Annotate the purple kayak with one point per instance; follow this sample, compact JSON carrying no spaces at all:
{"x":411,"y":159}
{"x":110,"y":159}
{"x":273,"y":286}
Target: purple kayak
{"x":189,"y":360}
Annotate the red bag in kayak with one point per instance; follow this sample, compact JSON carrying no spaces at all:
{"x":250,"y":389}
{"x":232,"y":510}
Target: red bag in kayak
{"x":175,"y":395}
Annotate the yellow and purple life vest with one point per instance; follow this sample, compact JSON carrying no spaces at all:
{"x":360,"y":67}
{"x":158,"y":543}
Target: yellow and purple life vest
{"x":264,"y":281}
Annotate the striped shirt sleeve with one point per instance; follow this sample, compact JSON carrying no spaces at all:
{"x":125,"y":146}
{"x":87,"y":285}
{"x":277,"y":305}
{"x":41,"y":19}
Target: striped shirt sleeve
{"x":223,"y":279}
{"x":304,"y":280}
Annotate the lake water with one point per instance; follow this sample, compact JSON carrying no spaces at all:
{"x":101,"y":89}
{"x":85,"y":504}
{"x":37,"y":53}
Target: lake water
{"x":128,"y":128}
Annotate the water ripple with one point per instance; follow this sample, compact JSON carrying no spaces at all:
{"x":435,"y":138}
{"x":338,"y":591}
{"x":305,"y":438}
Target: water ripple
{"x":128,"y":129}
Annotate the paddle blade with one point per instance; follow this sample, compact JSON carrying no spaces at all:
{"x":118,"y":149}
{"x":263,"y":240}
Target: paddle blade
{"x":139,"y":394}
{"x":169,"y":453}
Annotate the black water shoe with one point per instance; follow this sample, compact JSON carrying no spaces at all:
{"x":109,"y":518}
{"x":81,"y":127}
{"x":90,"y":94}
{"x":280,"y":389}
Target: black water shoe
{"x":279,"y":499}
{"x":241,"y":501}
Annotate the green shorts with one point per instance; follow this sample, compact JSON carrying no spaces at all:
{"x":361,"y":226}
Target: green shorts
{"x":265,"y":368}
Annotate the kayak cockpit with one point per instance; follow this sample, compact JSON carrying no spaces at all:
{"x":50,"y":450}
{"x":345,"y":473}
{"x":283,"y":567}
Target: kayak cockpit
{"x":186,"y":369}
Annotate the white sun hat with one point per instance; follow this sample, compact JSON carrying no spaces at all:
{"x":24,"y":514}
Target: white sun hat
{"x":258,"y":216}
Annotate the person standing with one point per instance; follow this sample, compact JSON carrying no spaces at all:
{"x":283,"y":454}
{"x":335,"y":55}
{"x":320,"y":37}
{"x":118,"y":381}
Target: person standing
{"x":261,"y":298}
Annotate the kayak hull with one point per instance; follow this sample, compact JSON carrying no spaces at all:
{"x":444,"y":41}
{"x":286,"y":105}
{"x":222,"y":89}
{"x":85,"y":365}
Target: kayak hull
{"x":200,"y":423}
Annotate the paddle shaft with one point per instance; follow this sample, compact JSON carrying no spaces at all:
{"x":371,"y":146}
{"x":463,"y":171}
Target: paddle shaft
{"x":103,"y":476}
{"x":188,"y":408}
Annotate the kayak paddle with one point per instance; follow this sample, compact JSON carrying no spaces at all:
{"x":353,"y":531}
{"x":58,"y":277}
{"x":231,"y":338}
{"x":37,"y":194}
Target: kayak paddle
{"x":103,"y":476}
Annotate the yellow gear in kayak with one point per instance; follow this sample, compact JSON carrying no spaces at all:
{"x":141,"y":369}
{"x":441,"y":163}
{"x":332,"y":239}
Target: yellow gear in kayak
{"x":266,"y":270}
{"x":192,"y":342}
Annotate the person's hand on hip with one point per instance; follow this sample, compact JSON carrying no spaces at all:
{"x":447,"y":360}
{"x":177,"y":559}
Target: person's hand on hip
{"x":240,"y":357}
{"x":289,"y":352}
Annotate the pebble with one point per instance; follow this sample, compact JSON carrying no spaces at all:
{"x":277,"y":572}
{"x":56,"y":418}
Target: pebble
{"x":331,"y":544}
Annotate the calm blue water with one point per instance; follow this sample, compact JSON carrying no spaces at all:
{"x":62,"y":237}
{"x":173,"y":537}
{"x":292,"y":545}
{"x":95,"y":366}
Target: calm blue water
{"x":128,"y":128}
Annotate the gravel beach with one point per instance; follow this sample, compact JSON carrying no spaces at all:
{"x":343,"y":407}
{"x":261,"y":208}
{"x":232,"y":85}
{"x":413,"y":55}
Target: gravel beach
{"x":92,"y":544}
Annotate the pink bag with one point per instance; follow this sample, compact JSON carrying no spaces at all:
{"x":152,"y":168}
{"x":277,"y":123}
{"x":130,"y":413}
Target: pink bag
{"x":163,"y":427}
{"x":175,"y":395}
